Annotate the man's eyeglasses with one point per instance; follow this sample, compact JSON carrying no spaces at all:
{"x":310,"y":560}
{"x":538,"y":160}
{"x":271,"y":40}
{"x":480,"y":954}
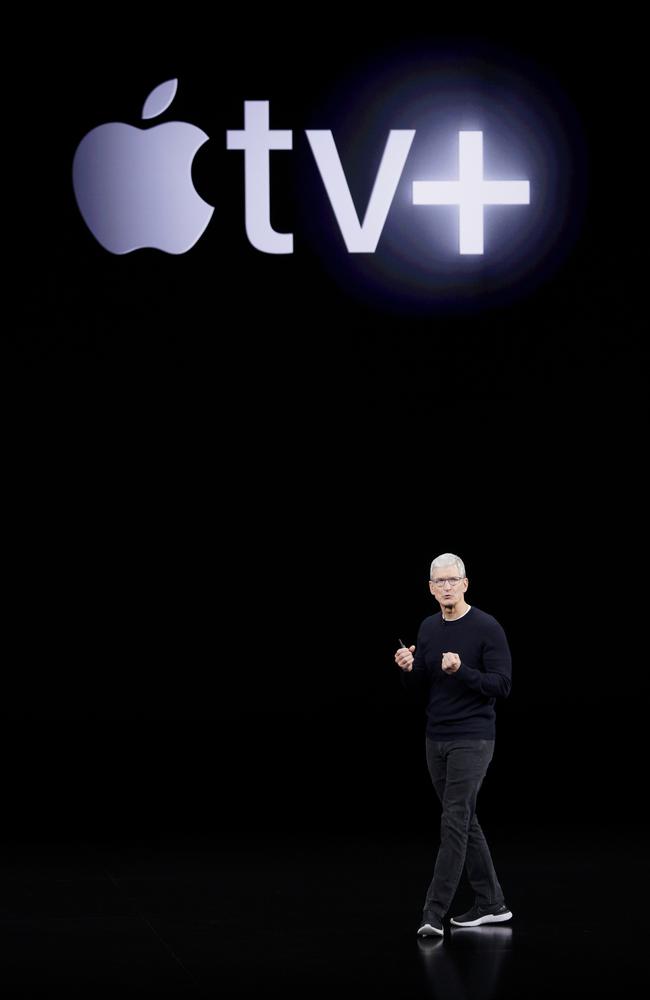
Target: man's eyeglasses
{"x":451,"y":580}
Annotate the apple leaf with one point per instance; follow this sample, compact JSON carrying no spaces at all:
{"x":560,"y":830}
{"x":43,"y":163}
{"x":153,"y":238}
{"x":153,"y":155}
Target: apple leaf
{"x":159,"y":99}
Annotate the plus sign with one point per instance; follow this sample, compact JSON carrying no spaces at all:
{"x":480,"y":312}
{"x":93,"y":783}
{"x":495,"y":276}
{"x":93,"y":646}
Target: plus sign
{"x":470,"y":192}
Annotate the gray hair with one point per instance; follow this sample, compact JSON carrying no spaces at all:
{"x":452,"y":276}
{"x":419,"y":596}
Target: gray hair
{"x":448,"y":559}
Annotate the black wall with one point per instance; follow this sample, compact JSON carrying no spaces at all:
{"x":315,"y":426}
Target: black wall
{"x":225,"y":474}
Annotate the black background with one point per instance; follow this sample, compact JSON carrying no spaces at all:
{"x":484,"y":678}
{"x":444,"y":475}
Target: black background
{"x":225,"y":474}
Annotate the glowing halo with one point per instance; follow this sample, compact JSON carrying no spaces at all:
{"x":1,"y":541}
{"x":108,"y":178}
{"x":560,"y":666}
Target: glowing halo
{"x":530,"y":130}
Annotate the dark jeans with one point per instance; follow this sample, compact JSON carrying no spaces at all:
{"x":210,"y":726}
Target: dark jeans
{"x":457,"y":769}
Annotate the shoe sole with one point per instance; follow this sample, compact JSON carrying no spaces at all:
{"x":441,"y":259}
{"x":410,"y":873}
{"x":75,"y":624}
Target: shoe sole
{"x":489,"y":918}
{"x":428,"y":930}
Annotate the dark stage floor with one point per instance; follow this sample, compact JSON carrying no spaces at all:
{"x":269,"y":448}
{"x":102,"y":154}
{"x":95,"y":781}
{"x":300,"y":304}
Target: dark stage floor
{"x":308,"y":916}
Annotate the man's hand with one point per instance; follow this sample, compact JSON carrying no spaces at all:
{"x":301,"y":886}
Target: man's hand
{"x":450,"y":662}
{"x":404,"y":658}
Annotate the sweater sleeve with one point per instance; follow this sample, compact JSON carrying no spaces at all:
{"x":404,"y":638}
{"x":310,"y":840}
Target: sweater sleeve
{"x":495,"y":680}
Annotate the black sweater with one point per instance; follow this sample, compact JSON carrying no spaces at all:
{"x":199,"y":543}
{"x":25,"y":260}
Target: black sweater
{"x":461,"y":705}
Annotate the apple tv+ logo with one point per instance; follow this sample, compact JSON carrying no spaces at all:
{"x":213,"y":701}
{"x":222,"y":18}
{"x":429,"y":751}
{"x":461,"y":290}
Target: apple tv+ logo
{"x":134,"y":186}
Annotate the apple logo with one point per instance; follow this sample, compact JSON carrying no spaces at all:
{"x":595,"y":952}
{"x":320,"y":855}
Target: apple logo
{"x":134,"y":186}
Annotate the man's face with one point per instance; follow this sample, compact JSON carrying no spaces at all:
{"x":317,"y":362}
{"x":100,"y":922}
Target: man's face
{"x":447,"y":586}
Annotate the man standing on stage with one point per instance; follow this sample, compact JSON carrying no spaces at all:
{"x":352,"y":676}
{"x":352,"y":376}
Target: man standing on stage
{"x":461,"y":663}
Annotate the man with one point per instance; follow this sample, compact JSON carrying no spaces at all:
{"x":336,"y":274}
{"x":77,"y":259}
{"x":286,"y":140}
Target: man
{"x":462,"y":663}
